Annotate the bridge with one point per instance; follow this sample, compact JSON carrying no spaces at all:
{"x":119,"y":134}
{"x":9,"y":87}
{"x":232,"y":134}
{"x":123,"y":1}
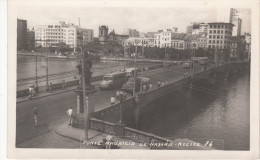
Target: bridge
{"x":129,"y":111}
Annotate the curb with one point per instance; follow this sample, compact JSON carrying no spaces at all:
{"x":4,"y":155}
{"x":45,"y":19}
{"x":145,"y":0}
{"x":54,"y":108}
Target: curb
{"x":24,"y":100}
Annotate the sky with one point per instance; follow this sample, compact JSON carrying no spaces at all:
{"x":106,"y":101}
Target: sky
{"x":122,"y":18}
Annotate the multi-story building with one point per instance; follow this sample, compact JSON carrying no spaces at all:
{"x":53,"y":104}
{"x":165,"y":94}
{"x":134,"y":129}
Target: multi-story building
{"x":202,"y":40}
{"x":234,"y":19}
{"x":197,"y":28}
{"x":21,"y":34}
{"x":162,"y":39}
{"x":53,"y":34}
{"x":203,"y":27}
{"x":219,"y":35}
{"x":133,"y":33}
{"x":183,"y":41}
{"x":30,"y":39}
{"x":103,"y":33}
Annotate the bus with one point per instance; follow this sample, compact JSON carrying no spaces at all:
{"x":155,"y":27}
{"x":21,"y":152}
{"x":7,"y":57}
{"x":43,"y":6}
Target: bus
{"x":113,"y":80}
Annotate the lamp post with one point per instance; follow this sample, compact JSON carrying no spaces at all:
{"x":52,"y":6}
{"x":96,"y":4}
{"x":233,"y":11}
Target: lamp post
{"x":135,"y":71}
{"x":121,"y":110}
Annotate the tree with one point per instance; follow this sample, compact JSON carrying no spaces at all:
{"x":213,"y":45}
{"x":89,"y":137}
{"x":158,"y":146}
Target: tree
{"x":62,"y":47}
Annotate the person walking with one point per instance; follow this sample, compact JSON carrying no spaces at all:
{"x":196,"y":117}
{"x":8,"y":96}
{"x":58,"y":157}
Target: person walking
{"x":117,"y":95}
{"x":159,"y":84}
{"x":113,"y":101}
{"x":35,"y":116}
{"x":150,"y":86}
{"x":70,"y":112}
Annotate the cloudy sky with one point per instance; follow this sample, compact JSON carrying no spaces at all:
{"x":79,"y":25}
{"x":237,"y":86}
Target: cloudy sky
{"x":143,"y":19}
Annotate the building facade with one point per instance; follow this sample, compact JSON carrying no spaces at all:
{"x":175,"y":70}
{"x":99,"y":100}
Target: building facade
{"x":30,"y":40}
{"x":219,"y":35}
{"x":103,"y":33}
{"x":21,"y":34}
{"x":52,"y":34}
{"x":133,"y":33}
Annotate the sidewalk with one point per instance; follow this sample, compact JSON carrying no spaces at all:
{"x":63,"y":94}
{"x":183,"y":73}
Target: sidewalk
{"x":95,"y":137}
{"x":49,"y":93}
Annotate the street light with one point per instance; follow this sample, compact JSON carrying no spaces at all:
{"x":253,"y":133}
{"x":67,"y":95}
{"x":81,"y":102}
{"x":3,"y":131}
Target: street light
{"x":121,"y":98}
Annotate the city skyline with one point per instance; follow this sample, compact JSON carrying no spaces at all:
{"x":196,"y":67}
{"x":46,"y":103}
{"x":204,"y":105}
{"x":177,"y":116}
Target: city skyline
{"x":120,"y":19}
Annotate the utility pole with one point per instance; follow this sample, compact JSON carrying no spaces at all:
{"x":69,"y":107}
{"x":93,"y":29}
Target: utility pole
{"x":47,"y":67}
{"x":141,"y":86}
{"x":36,"y":74}
{"x":135,"y":71}
{"x":85,"y":99}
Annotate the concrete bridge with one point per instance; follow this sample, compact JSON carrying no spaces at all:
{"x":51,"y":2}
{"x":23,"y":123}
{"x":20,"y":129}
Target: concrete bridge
{"x":106,"y":120}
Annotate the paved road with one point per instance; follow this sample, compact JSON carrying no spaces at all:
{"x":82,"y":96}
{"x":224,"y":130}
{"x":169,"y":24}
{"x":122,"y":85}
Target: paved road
{"x":52,"y":109}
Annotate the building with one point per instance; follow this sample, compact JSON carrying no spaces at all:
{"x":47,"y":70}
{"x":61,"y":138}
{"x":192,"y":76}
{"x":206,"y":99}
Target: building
{"x":248,"y":44}
{"x":103,"y":34}
{"x":219,"y":35}
{"x":21,"y":34}
{"x":88,"y":35}
{"x":30,"y":40}
{"x":51,"y":35}
{"x":133,"y":33}
{"x":113,"y":37}
{"x":197,"y":28}
{"x":162,"y":39}
{"x":234,"y":19}
{"x":182,"y":41}
{"x":202,"y":40}
{"x":203,"y":27}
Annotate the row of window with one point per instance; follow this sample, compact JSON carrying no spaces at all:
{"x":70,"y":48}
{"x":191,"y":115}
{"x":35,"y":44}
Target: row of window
{"x":219,"y":42}
{"x":216,"y":46}
{"x":218,"y":36}
{"x":220,"y":31}
{"x":220,"y":26}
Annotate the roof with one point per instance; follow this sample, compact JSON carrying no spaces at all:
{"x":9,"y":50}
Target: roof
{"x":221,"y":23}
{"x":184,"y":36}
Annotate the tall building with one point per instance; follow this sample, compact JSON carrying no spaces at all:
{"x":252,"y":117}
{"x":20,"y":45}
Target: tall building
{"x":103,"y":33}
{"x":21,"y":34}
{"x":133,"y":33}
{"x":53,"y":34}
{"x":219,"y":35}
{"x":30,"y":39}
{"x":234,"y":19}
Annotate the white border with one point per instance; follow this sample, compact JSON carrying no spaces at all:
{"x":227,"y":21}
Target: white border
{"x":77,"y":153}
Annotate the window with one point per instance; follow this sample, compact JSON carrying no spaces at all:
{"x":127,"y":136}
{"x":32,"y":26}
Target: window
{"x":218,"y":31}
{"x":214,"y":26}
{"x":213,"y":41}
{"x":209,"y":41}
{"x":214,"y":31}
{"x":210,"y":26}
{"x":218,"y":26}
{"x":214,"y":36}
{"x":210,"y":31}
{"x":217,"y":42}
{"x":217,"y":37}
{"x":209,"y":46}
{"x":209,"y":36}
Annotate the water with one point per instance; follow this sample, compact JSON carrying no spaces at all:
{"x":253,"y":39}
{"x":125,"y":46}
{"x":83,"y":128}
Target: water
{"x":220,"y":113}
{"x":26,"y":66}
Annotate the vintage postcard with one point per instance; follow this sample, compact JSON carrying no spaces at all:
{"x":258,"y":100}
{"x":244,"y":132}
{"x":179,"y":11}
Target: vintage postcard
{"x":133,"y":79}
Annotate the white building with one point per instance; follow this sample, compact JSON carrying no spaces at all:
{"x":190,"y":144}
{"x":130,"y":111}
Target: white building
{"x":53,"y":34}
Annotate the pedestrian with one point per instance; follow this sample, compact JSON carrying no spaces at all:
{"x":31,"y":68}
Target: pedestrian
{"x":35,"y":116}
{"x":113,"y":101}
{"x":117,"y":95}
{"x":33,"y":90}
{"x":63,"y":84}
{"x":159,"y":84}
{"x":30,"y":91}
{"x":150,"y":86}
{"x":50,"y":87}
{"x":162,"y":83}
{"x":70,"y":112}
{"x":144,"y":88}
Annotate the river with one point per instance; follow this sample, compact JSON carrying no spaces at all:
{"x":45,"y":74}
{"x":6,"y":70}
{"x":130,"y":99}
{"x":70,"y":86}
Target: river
{"x":26,"y":66}
{"x":220,"y":113}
